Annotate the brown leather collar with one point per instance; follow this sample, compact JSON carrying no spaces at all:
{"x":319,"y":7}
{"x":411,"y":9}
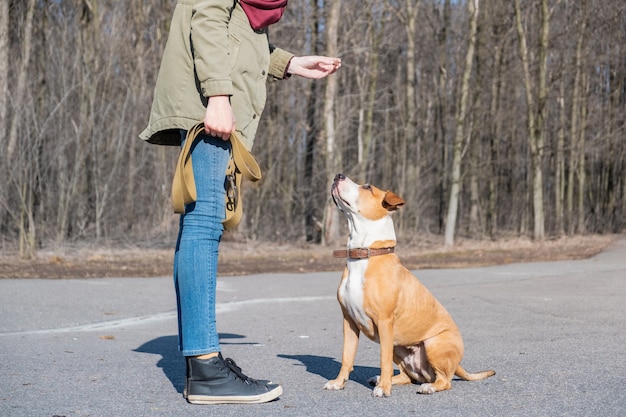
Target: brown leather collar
{"x":362,"y":253}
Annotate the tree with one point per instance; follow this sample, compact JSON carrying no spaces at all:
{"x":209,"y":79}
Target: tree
{"x":332,"y":156}
{"x":4,"y":62}
{"x":535,"y":110}
{"x":455,"y":185}
{"x":546,"y":135}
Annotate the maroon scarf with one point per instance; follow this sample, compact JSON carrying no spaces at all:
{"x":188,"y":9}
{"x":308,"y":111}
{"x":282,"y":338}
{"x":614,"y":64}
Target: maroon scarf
{"x":262,"y":13}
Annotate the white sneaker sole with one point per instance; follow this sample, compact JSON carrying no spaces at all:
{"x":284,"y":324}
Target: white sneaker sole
{"x":247,"y":399}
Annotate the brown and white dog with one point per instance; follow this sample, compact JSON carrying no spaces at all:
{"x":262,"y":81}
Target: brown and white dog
{"x":382,"y":299}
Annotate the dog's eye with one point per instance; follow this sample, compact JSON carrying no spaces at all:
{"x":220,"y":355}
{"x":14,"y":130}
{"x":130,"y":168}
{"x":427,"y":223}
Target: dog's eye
{"x":367,"y":187}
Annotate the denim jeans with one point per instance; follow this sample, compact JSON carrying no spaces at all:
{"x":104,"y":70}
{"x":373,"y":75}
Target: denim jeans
{"x":195,"y":259}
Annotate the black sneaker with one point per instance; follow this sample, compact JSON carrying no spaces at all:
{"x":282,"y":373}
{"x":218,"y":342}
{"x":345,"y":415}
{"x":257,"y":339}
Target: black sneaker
{"x":220,"y":381}
{"x":228,"y":360}
{"x":261,"y":381}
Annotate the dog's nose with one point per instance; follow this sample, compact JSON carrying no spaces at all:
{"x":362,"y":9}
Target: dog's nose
{"x":340,"y":177}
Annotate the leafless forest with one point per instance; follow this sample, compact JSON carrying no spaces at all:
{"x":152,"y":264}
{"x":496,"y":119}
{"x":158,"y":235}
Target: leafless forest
{"x":490,"y":117}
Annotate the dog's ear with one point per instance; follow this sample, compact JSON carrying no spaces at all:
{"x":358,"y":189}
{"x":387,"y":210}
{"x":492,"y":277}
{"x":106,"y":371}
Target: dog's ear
{"x":392,"y":201}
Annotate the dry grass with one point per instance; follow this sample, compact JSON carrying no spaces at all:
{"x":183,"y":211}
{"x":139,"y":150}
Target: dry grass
{"x":253,"y":257}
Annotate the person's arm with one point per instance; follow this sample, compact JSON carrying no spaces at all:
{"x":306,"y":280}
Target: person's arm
{"x":283,"y":64}
{"x":209,"y":38}
{"x":314,"y":67}
{"x":209,"y":43}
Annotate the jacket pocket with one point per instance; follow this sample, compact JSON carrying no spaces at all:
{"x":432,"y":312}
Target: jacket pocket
{"x":233,"y":49}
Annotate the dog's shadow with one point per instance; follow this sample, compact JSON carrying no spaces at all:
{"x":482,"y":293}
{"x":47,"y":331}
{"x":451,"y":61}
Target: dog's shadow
{"x":172,"y":361}
{"x":328,"y":368}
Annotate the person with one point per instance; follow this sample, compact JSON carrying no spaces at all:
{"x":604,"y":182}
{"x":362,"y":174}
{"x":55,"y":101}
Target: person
{"x":214,"y":68}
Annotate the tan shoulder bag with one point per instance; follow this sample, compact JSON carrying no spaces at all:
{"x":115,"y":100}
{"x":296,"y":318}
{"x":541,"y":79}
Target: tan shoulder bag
{"x":241,"y":165}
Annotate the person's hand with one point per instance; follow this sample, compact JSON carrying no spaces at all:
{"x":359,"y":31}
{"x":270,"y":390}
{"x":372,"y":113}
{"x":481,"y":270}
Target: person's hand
{"x":219,"y":119}
{"x":314,"y":67}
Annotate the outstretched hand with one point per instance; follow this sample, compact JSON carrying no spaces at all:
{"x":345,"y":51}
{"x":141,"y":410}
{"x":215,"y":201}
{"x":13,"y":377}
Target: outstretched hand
{"x":313,"y":66}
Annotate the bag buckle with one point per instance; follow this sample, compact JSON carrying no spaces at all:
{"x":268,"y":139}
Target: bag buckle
{"x":231,"y":193}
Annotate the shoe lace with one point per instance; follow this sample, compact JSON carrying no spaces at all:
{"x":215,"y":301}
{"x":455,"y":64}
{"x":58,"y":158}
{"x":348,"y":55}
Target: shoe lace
{"x":237,"y":370}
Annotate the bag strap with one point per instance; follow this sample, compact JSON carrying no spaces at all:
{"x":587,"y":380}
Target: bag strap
{"x":244,"y":161}
{"x":183,"y":184}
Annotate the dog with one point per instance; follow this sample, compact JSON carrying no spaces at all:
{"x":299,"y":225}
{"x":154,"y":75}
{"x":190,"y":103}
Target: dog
{"x":380,"y":298}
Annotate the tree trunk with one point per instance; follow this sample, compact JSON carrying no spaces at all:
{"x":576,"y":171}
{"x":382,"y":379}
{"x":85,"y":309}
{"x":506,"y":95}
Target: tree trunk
{"x":4,"y":94}
{"x":475,"y":227}
{"x":4,"y":64}
{"x":582,"y":178}
{"x":410,"y":134}
{"x":535,"y":125}
{"x":22,"y":77}
{"x":311,"y":146}
{"x":331,"y":234}
{"x":26,"y":227}
{"x":455,"y":186}
{"x":368,"y":102}
{"x":559,"y":165}
{"x":442,"y":106}
{"x":495,"y":132}
{"x":538,"y":208}
{"x":576,"y":156}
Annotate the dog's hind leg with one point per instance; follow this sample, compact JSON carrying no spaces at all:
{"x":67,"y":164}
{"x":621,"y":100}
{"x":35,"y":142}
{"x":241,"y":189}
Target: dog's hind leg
{"x":399,"y":379}
{"x":403,"y":377}
{"x":444,"y":353}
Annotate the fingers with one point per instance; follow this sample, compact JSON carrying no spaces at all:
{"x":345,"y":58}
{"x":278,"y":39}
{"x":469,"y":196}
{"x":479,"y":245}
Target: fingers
{"x":329,"y":62}
{"x":314,"y":67}
{"x":218,"y":130}
{"x":217,"y":134}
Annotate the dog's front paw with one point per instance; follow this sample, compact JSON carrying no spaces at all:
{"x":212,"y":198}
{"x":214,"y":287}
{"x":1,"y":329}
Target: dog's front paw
{"x":426,"y":389}
{"x":335,"y":385}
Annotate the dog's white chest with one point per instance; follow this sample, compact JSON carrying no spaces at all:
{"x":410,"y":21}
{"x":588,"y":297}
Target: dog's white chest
{"x":351,"y":294}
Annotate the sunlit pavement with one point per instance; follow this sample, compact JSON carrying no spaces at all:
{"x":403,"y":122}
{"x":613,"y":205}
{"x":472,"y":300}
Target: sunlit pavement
{"x":553,"y":331}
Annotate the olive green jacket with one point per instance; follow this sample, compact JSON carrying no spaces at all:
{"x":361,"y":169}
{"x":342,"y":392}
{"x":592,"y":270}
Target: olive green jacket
{"x":212,"y":50}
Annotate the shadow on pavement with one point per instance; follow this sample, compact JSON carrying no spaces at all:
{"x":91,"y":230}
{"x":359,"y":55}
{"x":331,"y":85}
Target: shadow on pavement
{"x":172,"y":362}
{"x":328,"y":368}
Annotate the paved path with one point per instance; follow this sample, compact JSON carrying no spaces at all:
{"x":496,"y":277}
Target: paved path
{"x":554,"y":332}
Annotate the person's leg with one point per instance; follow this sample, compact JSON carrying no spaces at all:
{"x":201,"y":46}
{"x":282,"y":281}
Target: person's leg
{"x":210,"y":379}
{"x":195,"y":262}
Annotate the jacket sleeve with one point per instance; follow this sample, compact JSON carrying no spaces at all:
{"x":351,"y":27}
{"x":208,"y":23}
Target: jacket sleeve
{"x":209,"y":45}
{"x":279,"y":62}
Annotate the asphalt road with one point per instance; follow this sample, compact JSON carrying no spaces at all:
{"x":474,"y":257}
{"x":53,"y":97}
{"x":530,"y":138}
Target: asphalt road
{"x":554,"y":332}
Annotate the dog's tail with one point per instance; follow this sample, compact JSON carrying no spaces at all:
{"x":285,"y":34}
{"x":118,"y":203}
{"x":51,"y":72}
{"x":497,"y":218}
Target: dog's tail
{"x":463,"y":374}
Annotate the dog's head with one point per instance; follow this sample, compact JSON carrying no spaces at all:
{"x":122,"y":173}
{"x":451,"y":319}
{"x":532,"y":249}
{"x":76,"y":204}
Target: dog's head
{"x":366,"y":200}
{"x":367,"y":208}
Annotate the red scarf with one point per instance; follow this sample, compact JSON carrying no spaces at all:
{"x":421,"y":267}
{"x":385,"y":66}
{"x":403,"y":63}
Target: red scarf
{"x":262,"y":13}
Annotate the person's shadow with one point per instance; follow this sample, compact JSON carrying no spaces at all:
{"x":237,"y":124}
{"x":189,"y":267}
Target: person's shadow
{"x":172,"y":361}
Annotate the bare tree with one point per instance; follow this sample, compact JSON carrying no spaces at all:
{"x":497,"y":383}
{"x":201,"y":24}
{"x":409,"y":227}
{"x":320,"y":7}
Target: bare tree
{"x":332,"y":156}
{"x":441,"y":110}
{"x":544,"y":156}
{"x":4,"y":61}
{"x":455,"y":186}
{"x":535,"y":110}
{"x":577,"y":153}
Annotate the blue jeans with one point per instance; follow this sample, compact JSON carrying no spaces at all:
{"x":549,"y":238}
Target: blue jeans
{"x":195,"y":259}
